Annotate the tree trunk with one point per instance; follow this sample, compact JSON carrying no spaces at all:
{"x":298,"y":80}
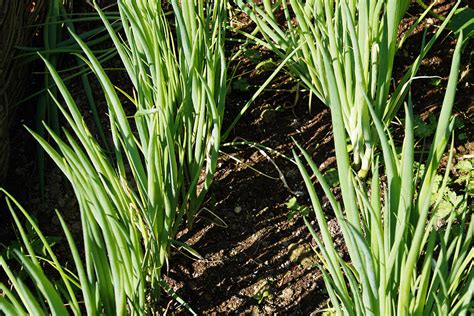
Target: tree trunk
{"x":16,"y":18}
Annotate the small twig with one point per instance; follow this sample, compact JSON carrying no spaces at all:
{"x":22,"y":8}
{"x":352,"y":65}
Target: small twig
{"x":280,"y":173}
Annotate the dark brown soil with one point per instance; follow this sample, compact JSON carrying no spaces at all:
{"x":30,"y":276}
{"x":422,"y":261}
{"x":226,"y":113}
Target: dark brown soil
{"x":254,"y":259}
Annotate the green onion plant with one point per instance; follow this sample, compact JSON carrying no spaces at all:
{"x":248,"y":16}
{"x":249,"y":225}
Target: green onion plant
{"x":56,"y":44}
{"x":346,"y":51}
{"x":404,"y":258}
{"x":165,"y":138}
{"x":100,"y":285}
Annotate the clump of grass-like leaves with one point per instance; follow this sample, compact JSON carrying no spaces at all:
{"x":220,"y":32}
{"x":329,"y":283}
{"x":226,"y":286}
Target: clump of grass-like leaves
{"x":132,"y":201}
{"x":86,"y":288}
{"x":59,"y":14}
{"x":401,"y":263}
{"x":345,"y":55}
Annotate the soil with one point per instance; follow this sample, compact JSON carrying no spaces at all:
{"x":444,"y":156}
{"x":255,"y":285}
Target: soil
{"x":254,"y":259}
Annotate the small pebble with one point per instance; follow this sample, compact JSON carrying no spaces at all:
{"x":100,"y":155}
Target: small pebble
{"x":237,"y":209}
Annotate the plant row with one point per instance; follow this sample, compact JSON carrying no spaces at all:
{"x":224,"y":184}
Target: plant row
{"x":138,"y":185}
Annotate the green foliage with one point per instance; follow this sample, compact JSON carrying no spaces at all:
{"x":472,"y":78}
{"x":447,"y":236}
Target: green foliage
{"x":446,"y":195}
{"x":423,"y":129}
{"x":45,"y":285}
{"x":402,"y":261}
{"x":463,"y":20}
{"x":265,"y":65}
{"x":52,"y":295}
{"x":253,"y":55}
{"x":407,"y":230}
{"x":436,"y":82}
{"x":332,"y":177}
{"x":296,"y":209}
{"x":465,"y":170}
{"x":56,"y":44}
{"x":132,"y":201}
{"x":460,"y":125}
{"x":241,"y":84}
{"x":262,"y":295}
{"x":345,"y":52}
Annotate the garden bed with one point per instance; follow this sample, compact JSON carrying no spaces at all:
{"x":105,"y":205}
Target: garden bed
{"x":254,"y":258}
